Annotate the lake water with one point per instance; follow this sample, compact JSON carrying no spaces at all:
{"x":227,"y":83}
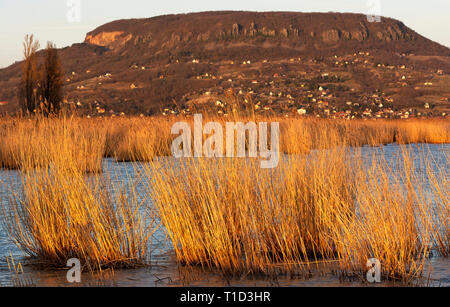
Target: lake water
{"x":164,"y":270}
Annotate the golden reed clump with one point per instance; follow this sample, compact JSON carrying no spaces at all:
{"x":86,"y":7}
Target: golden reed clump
{"x":330,"y":206}
{"x":63,"y":214}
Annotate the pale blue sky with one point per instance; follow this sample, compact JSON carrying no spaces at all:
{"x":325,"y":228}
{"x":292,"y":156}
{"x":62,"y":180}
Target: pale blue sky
{"x":47,"y":18}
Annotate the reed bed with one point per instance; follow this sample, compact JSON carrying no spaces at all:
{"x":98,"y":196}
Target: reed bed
{"x":230,"y":215}
{"x":331,"y":206}
{"x":40,"y":142}
{"x":397,"y":222}
{"x":63,"y":214}
{"x":137,"y":139}
{"x":35,"y":142}
{"x":328,"y":207}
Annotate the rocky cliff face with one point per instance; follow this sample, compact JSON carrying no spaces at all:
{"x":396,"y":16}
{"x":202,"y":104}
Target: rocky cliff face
{"x":115,"y":39}
{"x":290,"y":29}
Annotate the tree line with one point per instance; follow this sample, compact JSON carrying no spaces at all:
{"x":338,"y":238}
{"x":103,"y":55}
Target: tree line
{"x":40,"y":88}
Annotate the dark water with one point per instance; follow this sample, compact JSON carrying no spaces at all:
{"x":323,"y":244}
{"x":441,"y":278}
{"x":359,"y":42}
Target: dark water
{"x":164,"y":270}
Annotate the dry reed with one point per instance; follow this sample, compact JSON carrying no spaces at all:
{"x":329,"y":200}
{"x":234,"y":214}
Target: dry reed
{"x":329,"y":206}
{"x":228,"y":213}
{"x":63,"y":214}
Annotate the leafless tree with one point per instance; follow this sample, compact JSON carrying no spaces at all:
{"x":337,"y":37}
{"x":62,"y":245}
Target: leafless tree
{"x":50,"y":81}
{"x":27,"y":87}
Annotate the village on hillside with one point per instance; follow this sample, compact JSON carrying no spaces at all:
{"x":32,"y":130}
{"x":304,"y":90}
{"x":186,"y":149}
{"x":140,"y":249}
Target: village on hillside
{"x":352,"y":86}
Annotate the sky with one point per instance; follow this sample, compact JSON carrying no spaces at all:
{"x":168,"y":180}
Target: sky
{"x":58,"y":20}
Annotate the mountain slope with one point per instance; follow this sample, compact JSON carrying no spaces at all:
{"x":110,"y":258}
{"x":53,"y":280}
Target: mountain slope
{"x":145,"y":65}
{"x":301,"y":30}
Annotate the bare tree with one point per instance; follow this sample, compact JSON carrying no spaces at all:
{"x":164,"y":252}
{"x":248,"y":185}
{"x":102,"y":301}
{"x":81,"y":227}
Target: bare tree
{"x":27,"y":87}
{"x":51,"y":81}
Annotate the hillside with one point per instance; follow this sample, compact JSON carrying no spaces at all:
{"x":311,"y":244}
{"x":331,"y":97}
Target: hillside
{"x":329,"y":64}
